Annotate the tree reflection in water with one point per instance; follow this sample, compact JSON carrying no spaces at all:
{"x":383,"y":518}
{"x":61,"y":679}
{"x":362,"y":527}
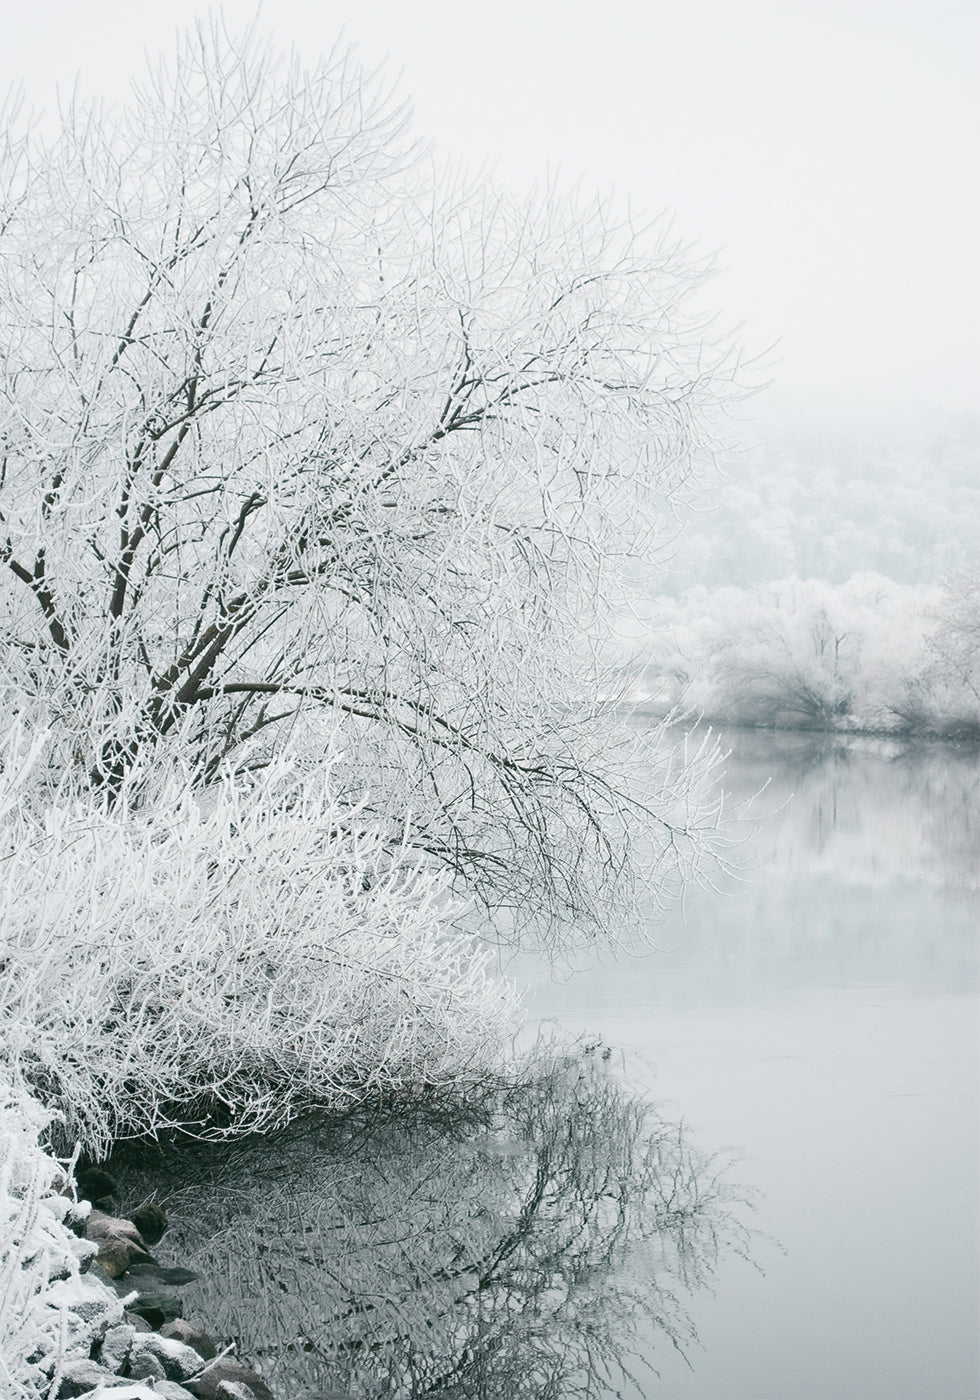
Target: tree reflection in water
{"x":527,"y":1245}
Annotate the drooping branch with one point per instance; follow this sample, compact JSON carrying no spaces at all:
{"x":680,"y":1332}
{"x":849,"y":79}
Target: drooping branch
{"x":308,"y":446}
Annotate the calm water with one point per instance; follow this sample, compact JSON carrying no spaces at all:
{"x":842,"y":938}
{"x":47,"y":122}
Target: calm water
{"x":823,"y":1019}
{"x":820,"y":1019}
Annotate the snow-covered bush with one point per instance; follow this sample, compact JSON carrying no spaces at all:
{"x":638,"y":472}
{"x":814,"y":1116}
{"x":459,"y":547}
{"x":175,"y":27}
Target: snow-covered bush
{"x":948,"y":691}
{"x":220,"y":961}
{"x":47,"y":1313}
{"x":802,"y":653}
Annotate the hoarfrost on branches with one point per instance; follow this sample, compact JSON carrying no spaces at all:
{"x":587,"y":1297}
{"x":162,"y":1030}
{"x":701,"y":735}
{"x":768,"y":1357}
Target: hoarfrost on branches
{"x":221,"y":969}
{"x":297,"y":431}
{"x":46,"y":1312}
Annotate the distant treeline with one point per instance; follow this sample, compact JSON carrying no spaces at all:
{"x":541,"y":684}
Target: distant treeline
{"x":869,"y":654}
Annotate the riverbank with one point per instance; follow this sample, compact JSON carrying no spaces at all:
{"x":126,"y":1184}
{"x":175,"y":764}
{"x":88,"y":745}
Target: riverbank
{"x":88,"y":1309}
{"x":952,"y":731}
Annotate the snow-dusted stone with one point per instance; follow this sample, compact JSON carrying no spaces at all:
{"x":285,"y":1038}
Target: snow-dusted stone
{"x":156,"y":1308}
{"x":89,"y":1307}
{"x":227,"y":1371}
{"x":178,"y":1360}
{"x":144,"y":1366}
{"x":192,"y":1334}
{"x":81,"y":1376}
{"x":115,"y":1346}
{"x":170,"y":1390}
{"x":133,"y":1390}
{"x":147,"y":1274}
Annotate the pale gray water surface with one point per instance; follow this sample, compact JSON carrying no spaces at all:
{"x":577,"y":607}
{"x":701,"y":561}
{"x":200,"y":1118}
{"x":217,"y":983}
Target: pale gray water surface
{"x":820,"y":1018}
{"x":823,"y":1019}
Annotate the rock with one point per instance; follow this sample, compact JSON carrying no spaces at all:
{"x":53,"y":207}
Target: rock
{"x":115,"y":1256}
{"x":100,"y":1226}
{"x":82,"y":1376}
{"x":151,"y":1222}
{"x":178,"y":1360}
{"x":133,"y":1390}
{"x":159,"y":1274}
{"x":119,"y":1242}
{"x":192,"y":1334}
{"x":136,"y":1321}
{"x":144,"y":1366}
{"x":115,"y":1347}
{"x":156,"y":1308}
{"x":226,"y":1371}
{"x":92,"y":1305}
{"x":170,"y":1390}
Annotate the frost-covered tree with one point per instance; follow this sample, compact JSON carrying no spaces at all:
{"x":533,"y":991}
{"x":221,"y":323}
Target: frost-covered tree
{"x":956,"y":640}
{"x":945,"y":694}
{"x":304,"y":443}
{"x":799,"y":653}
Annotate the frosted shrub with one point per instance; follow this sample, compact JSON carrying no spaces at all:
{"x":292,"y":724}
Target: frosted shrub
{"x":802,"y":653}
{"x":44,"y":1312}
{"x":949,"y":688}
{"x":222,"y":961}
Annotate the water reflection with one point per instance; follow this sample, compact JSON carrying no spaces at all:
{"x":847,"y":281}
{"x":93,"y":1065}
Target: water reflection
{"x":865,"y":809}
{"x":822,"y":1014}
{"x":516,"y":1248}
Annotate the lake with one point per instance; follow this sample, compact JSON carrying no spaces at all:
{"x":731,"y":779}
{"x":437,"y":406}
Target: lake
{"x":817,"y":1018}
{"x":822,"y":1018}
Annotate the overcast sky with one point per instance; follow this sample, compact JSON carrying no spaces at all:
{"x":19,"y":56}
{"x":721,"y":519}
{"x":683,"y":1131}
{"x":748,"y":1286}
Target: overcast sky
{"x":827,"y":151}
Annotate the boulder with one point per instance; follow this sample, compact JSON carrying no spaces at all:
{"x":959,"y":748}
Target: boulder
{"x":151,"y":1222}
{"x":135,"y":1390}
{"x":149,"y":1273}
{"x":114,"y":1348}
{"x":93,"y":1184}
{"x":119,"y":1242}
{"x":155,"y":1308}
{"x":136,"y":1321}
{"x":192,"y":1334}
{"x":178,"y":1360}
{"x":144,"y":1366}
{"x":91,"y":1308}
{"x":81,"y":1376}
{"x":115,"y":1256}
{"x":226,"y":1371}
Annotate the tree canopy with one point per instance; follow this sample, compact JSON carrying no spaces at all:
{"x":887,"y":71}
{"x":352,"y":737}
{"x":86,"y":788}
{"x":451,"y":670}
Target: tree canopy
{"x":308,"y":443}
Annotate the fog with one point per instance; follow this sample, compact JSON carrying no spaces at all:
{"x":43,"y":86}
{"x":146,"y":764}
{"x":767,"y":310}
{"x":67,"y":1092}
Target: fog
{"x":816,"y":524}
{"x":820,"y":153}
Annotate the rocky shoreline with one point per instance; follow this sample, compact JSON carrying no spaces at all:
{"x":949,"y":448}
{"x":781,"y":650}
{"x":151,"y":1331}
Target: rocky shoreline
{"x":142,"y":1347}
